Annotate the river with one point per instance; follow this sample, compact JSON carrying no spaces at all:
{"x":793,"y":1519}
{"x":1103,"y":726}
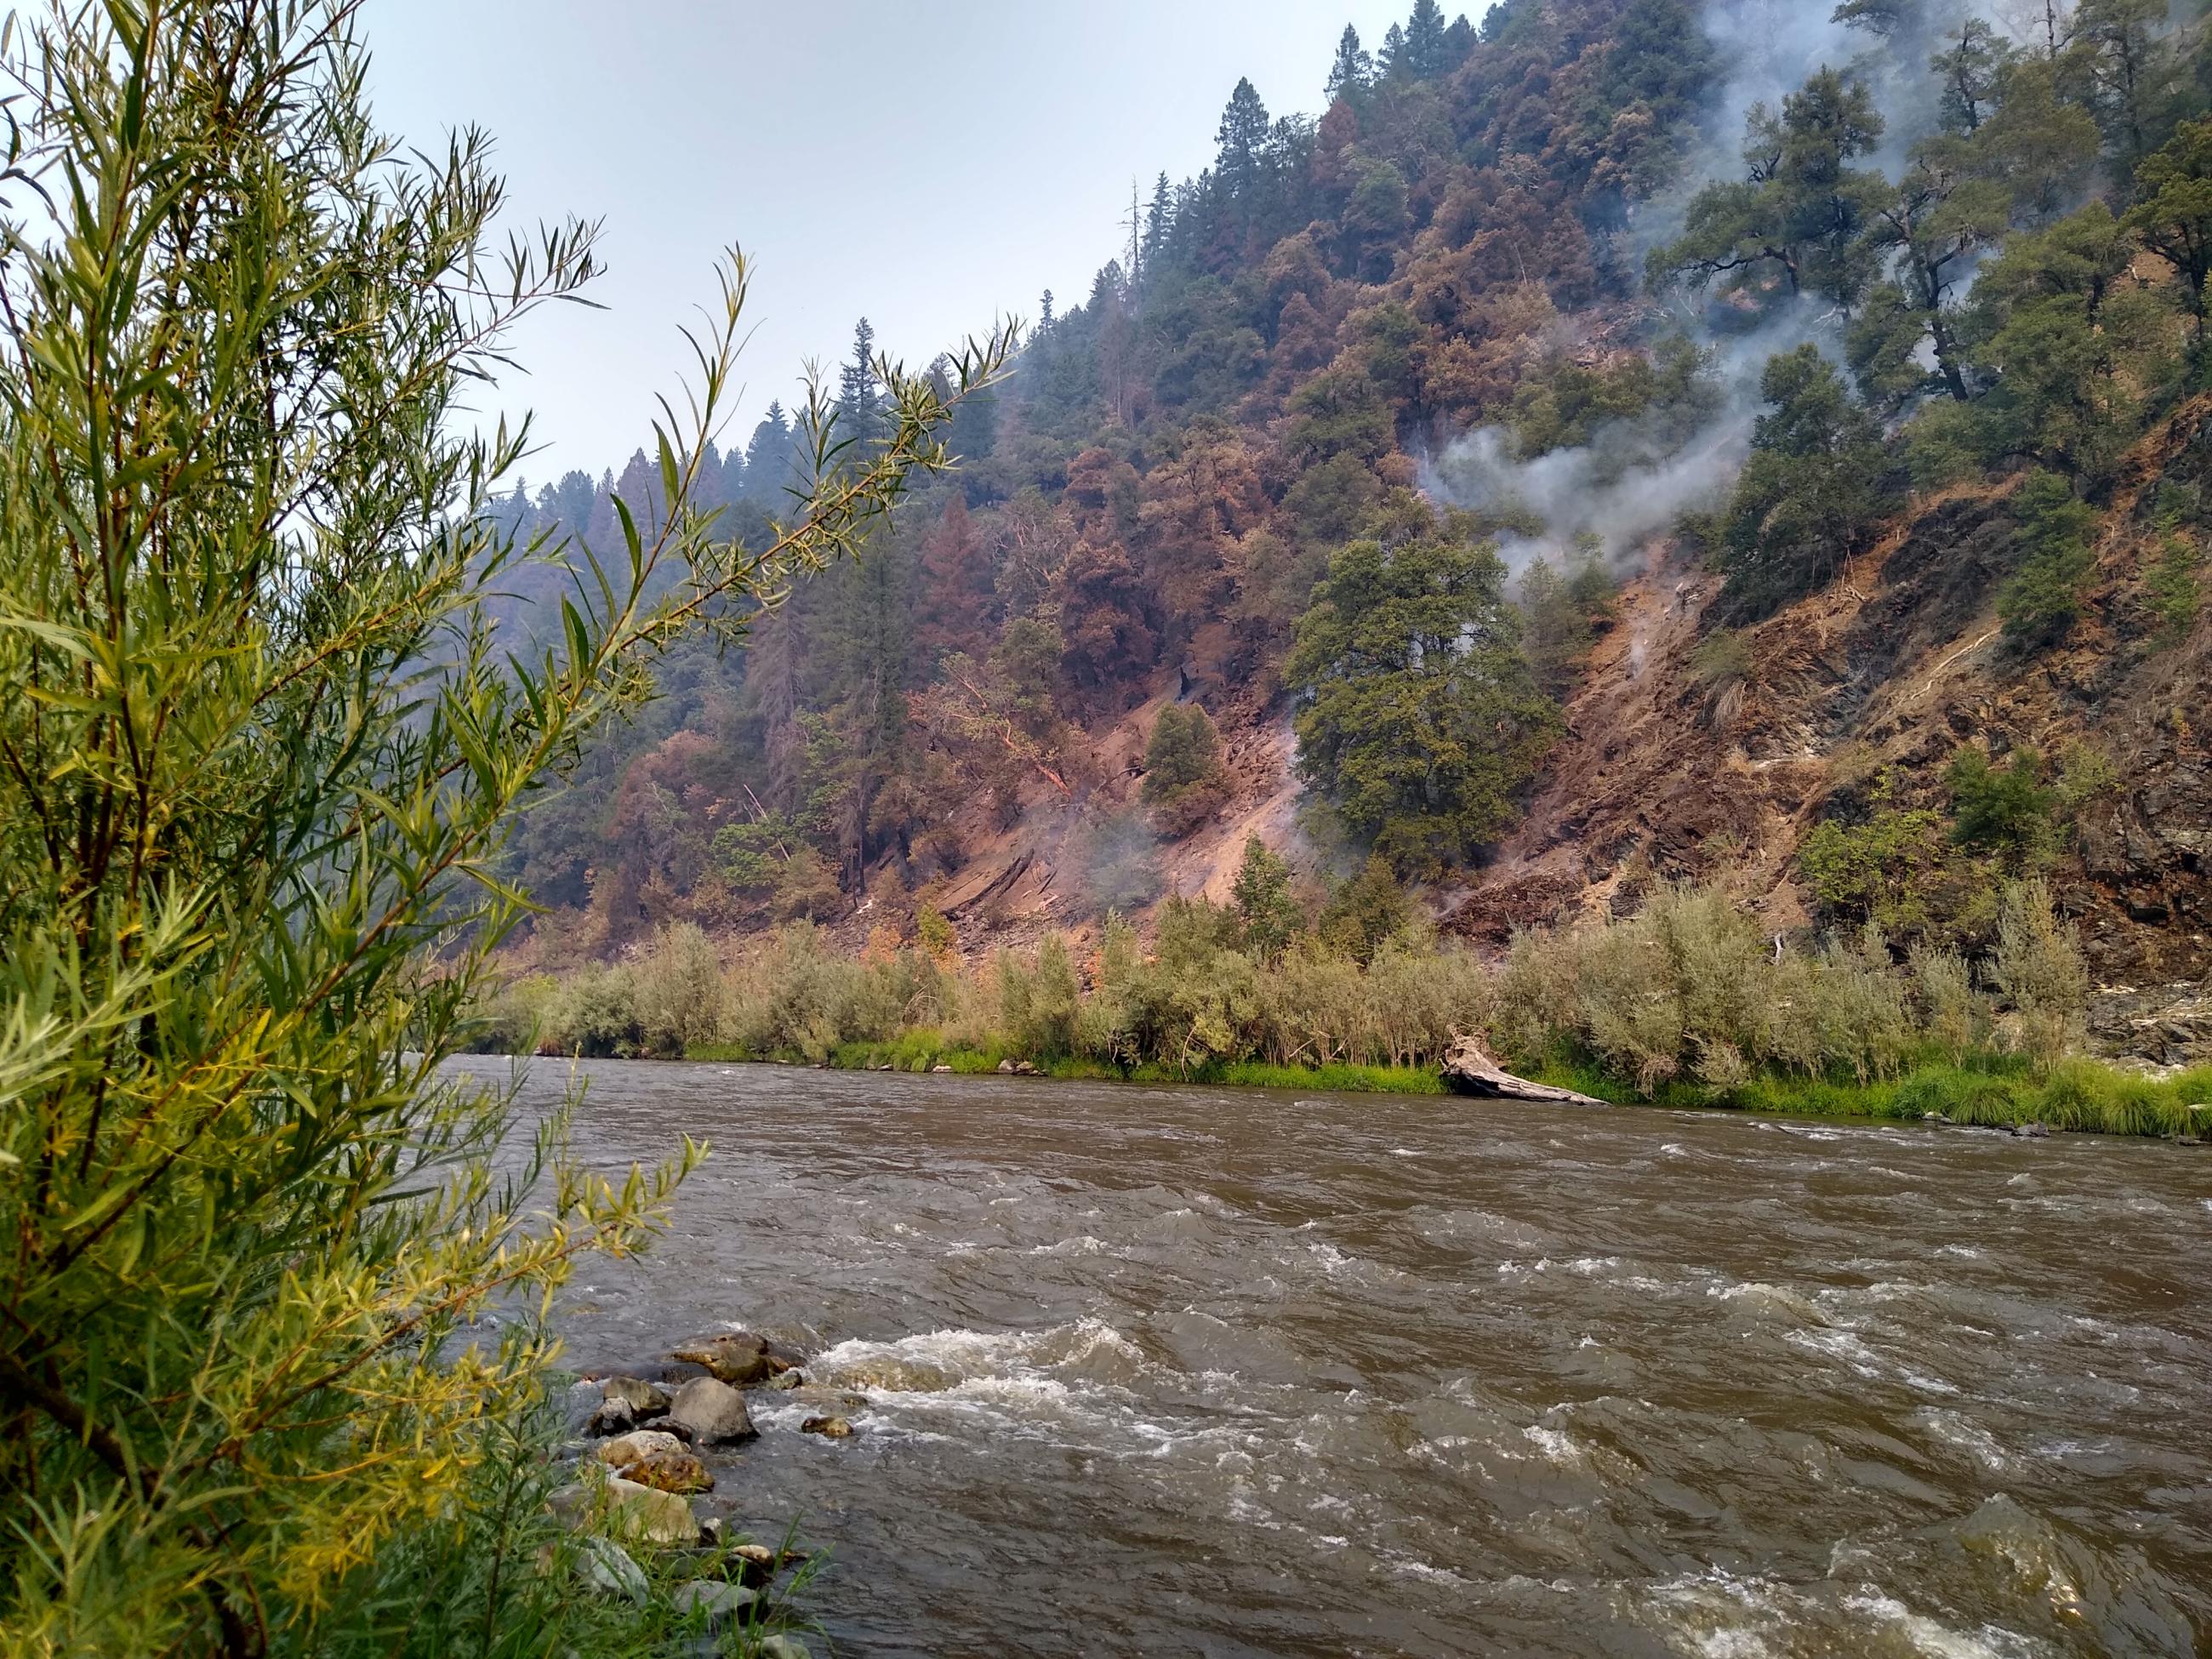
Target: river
{"x":1193,"y":1371}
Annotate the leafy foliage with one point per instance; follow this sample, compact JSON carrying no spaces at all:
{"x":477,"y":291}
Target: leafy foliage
{"x":1268,"y":913}
{"x":1416,"y":713}
{"x":1185,"y":781}
{"x":1812,"y":493}
{"x":264,"y":745}
{"x":2001,"y":808}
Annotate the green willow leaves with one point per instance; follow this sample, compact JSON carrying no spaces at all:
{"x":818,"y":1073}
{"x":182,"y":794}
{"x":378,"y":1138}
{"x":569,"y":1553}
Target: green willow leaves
{"x":261,"y":746}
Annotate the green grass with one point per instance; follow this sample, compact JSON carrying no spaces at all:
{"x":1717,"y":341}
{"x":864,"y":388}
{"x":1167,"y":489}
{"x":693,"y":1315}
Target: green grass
{"x":1985,"y":1090}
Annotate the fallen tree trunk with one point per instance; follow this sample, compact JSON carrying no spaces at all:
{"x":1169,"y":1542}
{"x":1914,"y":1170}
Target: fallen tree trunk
{"x":1468,"y":1071}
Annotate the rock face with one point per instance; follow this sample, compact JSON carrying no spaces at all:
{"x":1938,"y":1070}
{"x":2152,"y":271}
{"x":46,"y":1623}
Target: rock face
{"x":740,"y":1358}
{"x":2166,"y":1025}
{"x":712,"y":1412}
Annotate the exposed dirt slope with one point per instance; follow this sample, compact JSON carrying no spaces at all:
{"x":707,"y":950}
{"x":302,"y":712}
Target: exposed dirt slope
{"x":1892,"y":670}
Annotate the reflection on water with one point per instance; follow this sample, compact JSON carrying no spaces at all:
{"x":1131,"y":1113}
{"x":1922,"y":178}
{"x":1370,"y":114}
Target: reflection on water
{"x":1192,"y":1371}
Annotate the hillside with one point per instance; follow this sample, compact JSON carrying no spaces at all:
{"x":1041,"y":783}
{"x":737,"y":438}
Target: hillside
{"x":1632,"y":441}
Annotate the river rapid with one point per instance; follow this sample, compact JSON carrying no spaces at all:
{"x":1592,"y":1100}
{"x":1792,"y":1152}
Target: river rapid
{"x":1194,"y":1371}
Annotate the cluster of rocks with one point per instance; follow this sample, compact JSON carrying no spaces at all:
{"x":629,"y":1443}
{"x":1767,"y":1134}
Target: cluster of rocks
{"x":648,"y":1433}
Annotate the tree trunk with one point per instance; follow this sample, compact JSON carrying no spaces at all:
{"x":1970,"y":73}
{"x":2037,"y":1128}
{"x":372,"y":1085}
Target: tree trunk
{"x":1468,"y":1071}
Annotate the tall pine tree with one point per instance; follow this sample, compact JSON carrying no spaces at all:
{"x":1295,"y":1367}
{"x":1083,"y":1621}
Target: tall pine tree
{"x":1349,"y":74}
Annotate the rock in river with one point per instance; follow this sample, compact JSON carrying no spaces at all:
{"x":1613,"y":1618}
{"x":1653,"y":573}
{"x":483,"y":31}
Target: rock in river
{"x":830,"y":1428}
{"x":612,"y":1416}
{"x":608,"y":1570}
{"x":671,"y":1471}
{"x":645,"y":1399}
{"x":712,"y":1412}
{"x":721,"y":1602}
{"x":739,"y":1358}
{"x":624,"y":1449}
{"x":633,"y":1513}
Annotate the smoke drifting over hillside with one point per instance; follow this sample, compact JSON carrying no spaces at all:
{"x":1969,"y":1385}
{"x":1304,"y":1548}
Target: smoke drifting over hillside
{"x":1630,"y":484}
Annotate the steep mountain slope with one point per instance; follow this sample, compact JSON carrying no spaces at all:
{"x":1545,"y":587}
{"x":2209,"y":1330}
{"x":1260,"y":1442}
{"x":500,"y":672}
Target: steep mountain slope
{"x":1824,"y":386}
{"x":1873,"y":685}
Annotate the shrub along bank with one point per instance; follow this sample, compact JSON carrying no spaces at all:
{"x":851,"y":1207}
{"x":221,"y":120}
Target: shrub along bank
{"x":1685,"y":1003}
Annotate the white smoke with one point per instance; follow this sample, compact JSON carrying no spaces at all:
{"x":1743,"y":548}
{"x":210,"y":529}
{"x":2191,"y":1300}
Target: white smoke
{"x":1630,"y":484}
{"x":1627,"y":484}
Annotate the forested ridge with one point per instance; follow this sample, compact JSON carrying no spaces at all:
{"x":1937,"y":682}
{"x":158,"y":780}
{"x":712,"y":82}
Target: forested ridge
{"x":1470,"y":477}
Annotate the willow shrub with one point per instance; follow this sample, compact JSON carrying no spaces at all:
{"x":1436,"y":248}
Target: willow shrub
{"x":259,"y":749}
{"x":1687,"y":992}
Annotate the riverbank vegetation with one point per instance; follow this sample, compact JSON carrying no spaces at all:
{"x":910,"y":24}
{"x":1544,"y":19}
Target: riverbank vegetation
{"x":1685,"y":1002}
{"x":272,"y":1357}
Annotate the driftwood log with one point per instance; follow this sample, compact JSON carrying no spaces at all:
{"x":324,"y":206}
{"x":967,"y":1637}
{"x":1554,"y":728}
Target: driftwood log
{"x":1468,"y":1071}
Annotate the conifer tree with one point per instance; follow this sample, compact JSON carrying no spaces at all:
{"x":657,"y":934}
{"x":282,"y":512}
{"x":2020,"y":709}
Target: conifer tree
{"x":1350,"y":74}
{"x":1243,"y":138}
{"x":1427,"y":52}
{"x":858,"y":405}
{"x":1416,"y":713}
{"x":1159,"y":223}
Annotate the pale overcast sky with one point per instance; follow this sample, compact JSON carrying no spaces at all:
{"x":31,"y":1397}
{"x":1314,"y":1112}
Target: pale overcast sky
{"x":929,"y":166}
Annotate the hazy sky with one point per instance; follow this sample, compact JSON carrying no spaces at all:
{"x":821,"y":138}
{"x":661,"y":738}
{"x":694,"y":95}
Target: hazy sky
{"x":927,"y":166}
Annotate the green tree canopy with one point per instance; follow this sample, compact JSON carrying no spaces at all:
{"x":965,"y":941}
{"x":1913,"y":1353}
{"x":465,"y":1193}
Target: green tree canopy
{"x":1266,"y":911}
{"x":1417,"y":714}
{"x":1801,"y":207}
{"x":1811,"y":493}
{"x":2173,"y":213}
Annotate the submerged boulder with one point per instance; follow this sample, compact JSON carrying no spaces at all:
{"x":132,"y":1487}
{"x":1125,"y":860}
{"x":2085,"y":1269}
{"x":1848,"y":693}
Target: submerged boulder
{"x":830,"y":1428}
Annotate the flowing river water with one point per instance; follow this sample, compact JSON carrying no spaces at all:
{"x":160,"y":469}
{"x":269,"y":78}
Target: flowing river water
{"x":1192,"y":1371}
